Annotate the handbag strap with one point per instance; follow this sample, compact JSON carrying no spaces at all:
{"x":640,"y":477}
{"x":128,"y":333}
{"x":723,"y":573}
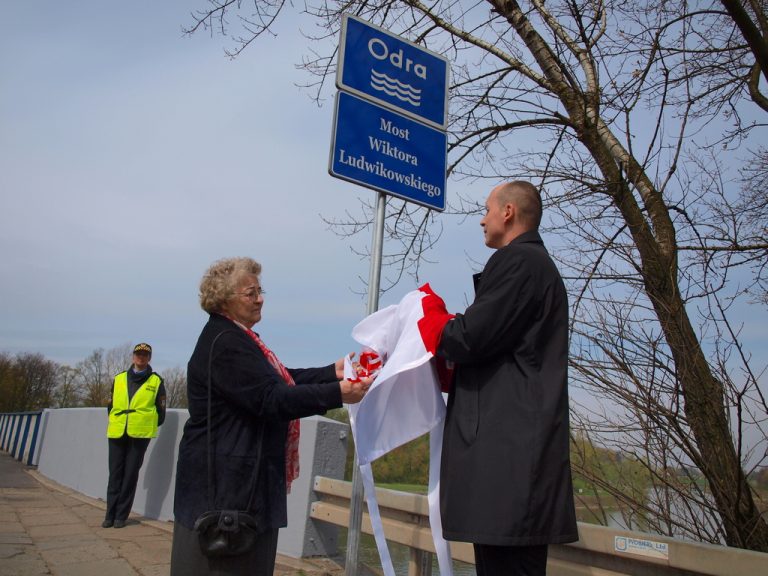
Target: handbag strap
{"x":211,"y":478}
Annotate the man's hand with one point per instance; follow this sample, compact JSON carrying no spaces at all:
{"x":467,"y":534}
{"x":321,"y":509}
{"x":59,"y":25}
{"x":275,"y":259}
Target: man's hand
{"x":434,"y":319}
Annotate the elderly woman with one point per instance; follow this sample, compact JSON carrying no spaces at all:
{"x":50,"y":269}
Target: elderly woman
{"x":255,"y":404}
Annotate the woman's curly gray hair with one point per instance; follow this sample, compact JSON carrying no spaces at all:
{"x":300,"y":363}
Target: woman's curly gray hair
{"x":221,"y":279}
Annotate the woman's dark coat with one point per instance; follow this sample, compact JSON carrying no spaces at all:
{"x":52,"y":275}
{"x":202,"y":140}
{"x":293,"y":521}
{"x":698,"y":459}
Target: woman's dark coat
{"x":247,"y":391}
{"x":505,"y":478}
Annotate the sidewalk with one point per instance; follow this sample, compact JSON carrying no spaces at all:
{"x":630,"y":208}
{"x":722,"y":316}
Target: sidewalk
{"x":48,"y":529}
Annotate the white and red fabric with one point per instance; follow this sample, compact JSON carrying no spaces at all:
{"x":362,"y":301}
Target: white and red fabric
{"x":404,"y":401}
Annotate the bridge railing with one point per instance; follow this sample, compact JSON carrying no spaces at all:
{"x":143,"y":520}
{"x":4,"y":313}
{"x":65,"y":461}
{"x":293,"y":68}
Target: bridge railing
{"x":600,"y":550}
{"x":19,"y":435}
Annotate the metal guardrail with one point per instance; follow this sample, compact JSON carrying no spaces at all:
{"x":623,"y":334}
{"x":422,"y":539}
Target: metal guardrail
{"x":600,"y":551}
{"x":19,"y":434}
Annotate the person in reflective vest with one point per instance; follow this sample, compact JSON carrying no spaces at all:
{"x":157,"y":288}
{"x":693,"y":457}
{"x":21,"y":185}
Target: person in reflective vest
{"x":136,"y":409}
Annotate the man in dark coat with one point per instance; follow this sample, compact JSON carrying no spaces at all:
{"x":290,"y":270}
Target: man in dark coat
{"x":505,"y":482}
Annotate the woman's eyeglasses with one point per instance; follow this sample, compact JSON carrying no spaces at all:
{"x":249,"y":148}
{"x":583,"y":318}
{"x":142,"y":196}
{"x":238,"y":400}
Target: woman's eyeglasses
{"x":253,"y":294}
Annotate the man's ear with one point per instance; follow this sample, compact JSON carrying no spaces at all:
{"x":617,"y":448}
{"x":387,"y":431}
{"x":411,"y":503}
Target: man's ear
{"x":509,"y":212}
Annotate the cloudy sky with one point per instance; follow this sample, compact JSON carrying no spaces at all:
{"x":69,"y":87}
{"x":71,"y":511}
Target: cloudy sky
{"x":132,"y":157}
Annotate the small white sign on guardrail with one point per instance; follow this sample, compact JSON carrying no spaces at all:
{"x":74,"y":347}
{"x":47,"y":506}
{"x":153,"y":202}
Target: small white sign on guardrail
{"x":649,"y":548}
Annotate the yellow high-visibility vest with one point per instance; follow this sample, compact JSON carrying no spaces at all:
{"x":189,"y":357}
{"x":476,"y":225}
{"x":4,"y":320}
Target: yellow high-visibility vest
{"x":139,"y":417}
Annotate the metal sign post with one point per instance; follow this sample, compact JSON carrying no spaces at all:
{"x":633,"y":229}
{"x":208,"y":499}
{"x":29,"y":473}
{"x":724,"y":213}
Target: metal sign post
{"x":374,"y":281}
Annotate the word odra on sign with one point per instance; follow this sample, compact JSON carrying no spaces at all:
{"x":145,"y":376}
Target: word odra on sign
{"x":379,"y":50}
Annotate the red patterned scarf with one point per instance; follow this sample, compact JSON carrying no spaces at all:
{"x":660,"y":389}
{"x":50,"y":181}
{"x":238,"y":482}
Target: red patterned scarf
{"x":292,"y":442}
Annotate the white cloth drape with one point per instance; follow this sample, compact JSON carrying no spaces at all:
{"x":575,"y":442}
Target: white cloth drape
{"x":403,"y":403}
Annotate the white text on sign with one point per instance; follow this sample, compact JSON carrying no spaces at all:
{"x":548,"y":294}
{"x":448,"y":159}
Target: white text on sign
{"x":390,"y":128}
{"x":379,"y":50}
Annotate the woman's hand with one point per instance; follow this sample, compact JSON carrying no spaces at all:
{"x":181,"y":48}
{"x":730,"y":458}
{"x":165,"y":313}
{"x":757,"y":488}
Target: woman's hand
{"x":339,"y":365}
{"x":353,"y":392}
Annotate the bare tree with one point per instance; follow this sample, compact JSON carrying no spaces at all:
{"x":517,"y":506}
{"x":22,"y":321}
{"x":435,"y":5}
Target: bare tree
{"x":751,"y":21}
{"x":27,"y":382}
{"x":97,"y":371}
{"x":629,"y":117}
{"x":175,"y":380}
{"x":95,"y":379}
{"x":67,"y":393}
{"x":9,"y":383}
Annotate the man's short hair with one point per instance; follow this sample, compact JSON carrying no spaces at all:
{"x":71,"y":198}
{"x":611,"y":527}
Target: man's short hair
{"x":525,"y":196}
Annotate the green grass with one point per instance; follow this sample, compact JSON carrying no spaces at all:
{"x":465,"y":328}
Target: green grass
{"x":400,"y":487}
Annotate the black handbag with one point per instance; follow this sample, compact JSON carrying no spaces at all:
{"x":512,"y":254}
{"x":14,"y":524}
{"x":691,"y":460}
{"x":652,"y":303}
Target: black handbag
{"x":226,"y":532}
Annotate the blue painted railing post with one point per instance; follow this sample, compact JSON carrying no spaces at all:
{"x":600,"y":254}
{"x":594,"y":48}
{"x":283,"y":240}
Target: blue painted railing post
{"x":19,"y":432}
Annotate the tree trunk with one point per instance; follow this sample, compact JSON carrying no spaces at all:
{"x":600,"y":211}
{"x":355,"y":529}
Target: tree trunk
{"x":704,"y":408}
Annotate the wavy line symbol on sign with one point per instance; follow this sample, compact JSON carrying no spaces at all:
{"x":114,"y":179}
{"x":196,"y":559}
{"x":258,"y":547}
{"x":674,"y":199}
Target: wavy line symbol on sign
{"x":393,"y":87}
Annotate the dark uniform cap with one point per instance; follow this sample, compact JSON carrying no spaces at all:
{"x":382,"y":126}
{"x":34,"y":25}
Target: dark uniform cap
{"x":143,"y":347}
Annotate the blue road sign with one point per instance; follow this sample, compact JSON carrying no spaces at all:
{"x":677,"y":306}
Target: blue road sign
{"x":389,"y":152}
{"x":377,"y":65}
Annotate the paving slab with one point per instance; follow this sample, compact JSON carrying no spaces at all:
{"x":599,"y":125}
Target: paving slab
{"x":50,"y":530}
{"x":79,"y":553}
{"x":114,"y":567}
{"x":24,"y":562}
